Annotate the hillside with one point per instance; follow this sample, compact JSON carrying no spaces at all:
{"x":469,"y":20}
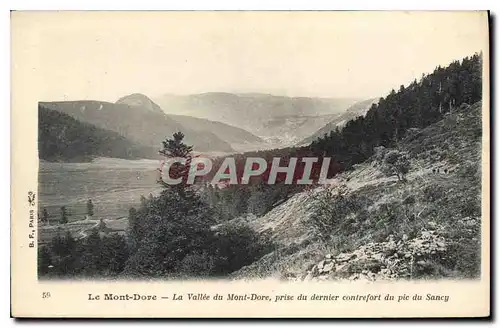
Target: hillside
{"x":62,"y":138}
{"x":230,"y":134}
{"x":288,"y":130}
{"x":382,"y":228}
{"x":141,"y":101}
{"x":358,"y":109}
{"x":139,"y":124}
{"x":253,"y":112}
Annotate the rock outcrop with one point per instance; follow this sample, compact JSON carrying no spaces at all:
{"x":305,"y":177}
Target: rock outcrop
{"x":389,"y":260}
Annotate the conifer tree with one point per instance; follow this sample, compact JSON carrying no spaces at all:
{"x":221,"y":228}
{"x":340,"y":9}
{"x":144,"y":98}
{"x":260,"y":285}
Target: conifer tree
{"x":91,"y":258}
{"x":64,"y":215}
{"x":175,"y":148}
{"x":90,"y":208}
{"x":44,"y":261}
{"x":102,"y":225}
{"x":114,"y":254}
{"x":45,"y":216}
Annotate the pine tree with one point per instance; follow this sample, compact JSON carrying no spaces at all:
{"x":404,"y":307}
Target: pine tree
{"x":90,"y":208}
{"x":102,"y":225}
{"x":91,"y":258}
{"x":45,"y":216}
{"x":64,"y":215}
{"x":133,"y":229}
{"x":144,"y":202}
{"x":417,"y":106}
{"x":132,"y":216}
{"x":114,"y":254}
{"x":172,"y":226}
{"x":64,"y":249}
{"x":176,"y":148}
{"x":44,"y":261}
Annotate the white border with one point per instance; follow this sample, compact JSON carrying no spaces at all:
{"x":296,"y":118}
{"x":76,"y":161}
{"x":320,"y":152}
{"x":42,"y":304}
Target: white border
{"x":182,"y":5}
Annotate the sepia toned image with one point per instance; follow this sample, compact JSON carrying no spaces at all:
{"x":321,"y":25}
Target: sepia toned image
{"x":267,"y":161}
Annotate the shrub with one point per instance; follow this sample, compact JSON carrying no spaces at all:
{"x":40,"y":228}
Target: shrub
{"x":197,"y":264}
{"x":470,"y":171}
{"x":392,"y":162}
{"x":174,"y":239}
{"x":464,"y":258}
{"x":471,"y":206}
{"x":237,"y":246}
{"x":433,"y":192}
{"x":44,"y":260}
{"x":409,"y":200}
{"x":333,"y":206}
{"x":114,"y":254}
{"x":396,"y":163}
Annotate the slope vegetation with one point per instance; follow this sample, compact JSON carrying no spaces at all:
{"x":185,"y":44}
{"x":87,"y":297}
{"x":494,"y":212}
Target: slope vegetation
{"x":358,"y":109}
{"x":140,"y":124}
{"x":62,"y":138}
{"x":226,"y":132}
{"x":428,"y":227}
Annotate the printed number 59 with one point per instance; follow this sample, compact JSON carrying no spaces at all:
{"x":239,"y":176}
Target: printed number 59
{"x":46,"y":295}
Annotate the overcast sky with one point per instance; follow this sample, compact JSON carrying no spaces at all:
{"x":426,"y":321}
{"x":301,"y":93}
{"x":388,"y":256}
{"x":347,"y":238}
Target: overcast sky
{"x":104,"y":56}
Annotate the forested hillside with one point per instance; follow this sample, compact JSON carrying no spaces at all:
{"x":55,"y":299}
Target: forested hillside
{"x":405,"y":203}
{"x":226,"y":132}
{"x":62,"y":138}
{"x":358,"y":109}
{"x":394,"y":117}
{"x":141,"y":124}
{"x":371,"y":226}
{"x":412,"y":107}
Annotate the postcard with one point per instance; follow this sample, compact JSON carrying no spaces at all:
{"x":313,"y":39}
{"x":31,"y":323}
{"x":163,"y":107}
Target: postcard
{"x":250,"y":164}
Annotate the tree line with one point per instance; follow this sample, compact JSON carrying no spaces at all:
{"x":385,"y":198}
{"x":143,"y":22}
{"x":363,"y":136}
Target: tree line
{"x":64,"y":138}
{"x":168,"y":236}
{"x":182,"y":232}
{"x":63,"y":214}
{"x":404,"y":112}
{"x":401,"y":114}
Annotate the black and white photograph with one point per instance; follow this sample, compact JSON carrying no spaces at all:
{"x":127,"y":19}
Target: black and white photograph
{"x":299,"y":147}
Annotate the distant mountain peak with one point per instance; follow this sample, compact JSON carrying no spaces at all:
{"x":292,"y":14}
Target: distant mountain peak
{"x":134,"y":118}
{"x":270,"y":117}
{"x":140,"y":100}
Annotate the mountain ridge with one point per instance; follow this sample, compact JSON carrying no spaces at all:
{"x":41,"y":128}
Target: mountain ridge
{"x":267,"y":116}
{"x":63,"y":138}
{"x":139,"y":100}
{"x":359,"y":108}
{"x":230,"y":134}
{"x":147,"y":127}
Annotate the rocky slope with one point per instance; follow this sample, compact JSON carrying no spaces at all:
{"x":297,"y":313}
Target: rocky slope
{"x":428,"y":227}
{"x":389,"y":260}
